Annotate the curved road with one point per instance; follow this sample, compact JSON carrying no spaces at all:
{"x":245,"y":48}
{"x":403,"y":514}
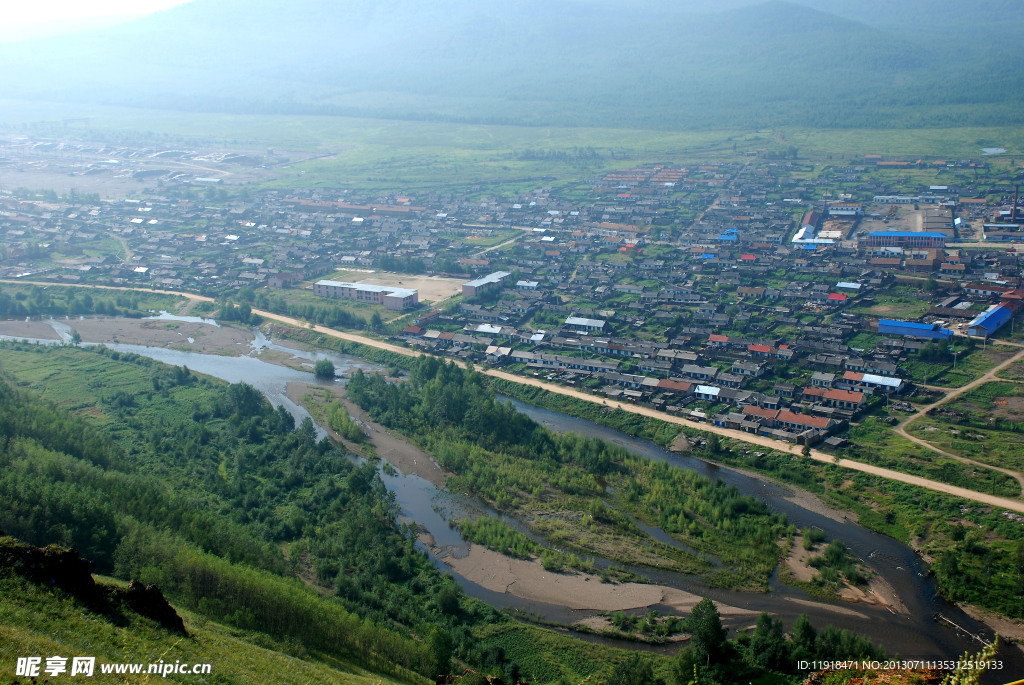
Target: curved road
{"x":950,"y":395}
{"x":963,"y":493}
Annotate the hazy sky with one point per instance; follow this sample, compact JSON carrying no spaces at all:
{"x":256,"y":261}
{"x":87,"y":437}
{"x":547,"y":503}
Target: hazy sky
{"x":34,"y":18}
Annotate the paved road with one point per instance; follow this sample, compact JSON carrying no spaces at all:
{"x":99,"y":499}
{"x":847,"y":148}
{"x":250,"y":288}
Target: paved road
{"x":761,"y":441}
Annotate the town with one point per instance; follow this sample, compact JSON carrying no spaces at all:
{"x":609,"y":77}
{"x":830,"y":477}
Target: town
{"x":774,"y":296}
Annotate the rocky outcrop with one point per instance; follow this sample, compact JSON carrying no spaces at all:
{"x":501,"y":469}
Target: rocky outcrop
{"x":64,"y":569}
{"x":149,"y":601}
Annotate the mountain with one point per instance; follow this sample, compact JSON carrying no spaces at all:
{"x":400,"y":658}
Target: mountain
{"x":832,"y":63}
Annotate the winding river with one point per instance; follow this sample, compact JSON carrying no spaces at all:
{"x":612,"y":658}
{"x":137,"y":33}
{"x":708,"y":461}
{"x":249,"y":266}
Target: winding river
{"x":914,"y":634}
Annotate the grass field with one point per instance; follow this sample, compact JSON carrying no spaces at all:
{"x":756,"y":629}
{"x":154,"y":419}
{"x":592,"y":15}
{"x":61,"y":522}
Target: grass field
{"x":899,"y":303}
{"x":497,"y":237}
{"x":302,"y":296}
{"x":876,"y":443}
{"x":393,"y":154}
{"x":969,"y":367}
{"x":985,"y":424}
{"x":996,"y":447}
{"x":1013,"y":372}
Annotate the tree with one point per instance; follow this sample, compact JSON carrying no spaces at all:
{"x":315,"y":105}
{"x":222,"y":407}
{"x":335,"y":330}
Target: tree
{"x":707,"y":636}
{"x":439,"y":645}
{"x":768,"y":648}
{"x":714,"y":443}
{"x":324,"y":368}
{"x":376,"y":323}
{"x":805,"y":639}
{"x":635,"y":670}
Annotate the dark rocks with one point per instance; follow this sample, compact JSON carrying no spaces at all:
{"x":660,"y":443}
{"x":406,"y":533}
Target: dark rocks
{"x":64,"y":569}
{"x":150,"y":602}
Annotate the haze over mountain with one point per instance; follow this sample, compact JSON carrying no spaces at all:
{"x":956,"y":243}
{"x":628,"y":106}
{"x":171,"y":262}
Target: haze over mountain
{"x":827,"y":63}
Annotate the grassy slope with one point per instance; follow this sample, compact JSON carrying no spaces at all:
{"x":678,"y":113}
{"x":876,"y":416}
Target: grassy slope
{"x":38,"y":622}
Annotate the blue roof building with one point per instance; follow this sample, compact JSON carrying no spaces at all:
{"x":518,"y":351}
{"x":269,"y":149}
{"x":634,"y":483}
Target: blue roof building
{"x":911,"y":329}
{"x":990,"y":321}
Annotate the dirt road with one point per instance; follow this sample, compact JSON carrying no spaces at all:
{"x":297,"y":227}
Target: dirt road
{"x":950,"y":395}
{"x":963,"y":493}
{"x":760,"y":440}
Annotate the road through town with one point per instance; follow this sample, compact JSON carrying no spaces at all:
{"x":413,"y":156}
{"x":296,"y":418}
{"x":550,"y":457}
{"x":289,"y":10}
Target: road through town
{"x":761,"y":441}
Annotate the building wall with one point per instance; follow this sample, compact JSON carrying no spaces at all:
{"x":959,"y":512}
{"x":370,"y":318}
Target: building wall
{"x":351,"y":291}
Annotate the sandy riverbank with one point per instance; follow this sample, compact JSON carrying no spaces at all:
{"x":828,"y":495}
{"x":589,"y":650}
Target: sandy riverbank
{"x":181,"y":335}
{"x":34,"y":329}
{"x":397,"y":451}
{"x":528,"y":580}
{"x":878,"y":592}
{"x":1008,"y":629}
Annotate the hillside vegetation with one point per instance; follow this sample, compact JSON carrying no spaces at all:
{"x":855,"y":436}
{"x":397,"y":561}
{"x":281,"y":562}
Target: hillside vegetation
{"x":207,"y":491}
{"x":820,"y":63}
{"x":43,"y":622}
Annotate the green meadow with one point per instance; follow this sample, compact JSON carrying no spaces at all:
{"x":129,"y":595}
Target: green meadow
{"x":410,"y":156}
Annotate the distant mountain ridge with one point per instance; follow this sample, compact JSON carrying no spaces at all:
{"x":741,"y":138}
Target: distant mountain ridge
{"x":827,"y":63}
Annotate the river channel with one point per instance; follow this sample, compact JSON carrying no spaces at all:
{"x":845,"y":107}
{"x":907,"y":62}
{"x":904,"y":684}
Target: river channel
{"x":914,"y":634}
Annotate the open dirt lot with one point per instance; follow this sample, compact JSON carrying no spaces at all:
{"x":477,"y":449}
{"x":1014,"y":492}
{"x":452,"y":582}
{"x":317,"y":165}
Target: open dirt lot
{"x":432,"y":288}
{"x":1010,"y":408}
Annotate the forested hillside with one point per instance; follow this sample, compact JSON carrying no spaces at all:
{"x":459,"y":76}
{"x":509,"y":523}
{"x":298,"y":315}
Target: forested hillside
{"x":244,"y":519}
{"x":207,"y":491}
{"x":822,"y":63}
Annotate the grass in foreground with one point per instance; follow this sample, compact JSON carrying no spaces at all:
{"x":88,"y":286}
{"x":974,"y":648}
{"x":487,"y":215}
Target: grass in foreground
{"x":35,"y":621}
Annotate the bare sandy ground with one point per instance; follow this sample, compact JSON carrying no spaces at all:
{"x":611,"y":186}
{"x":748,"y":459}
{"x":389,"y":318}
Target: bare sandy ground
{"x":1006,"y":628}
{"x":397,"y":451}
{"x":431,"y":288}
{"x":828,"y":607}
{"x":797,"y":561}
{"x":878,"y":591}
{"x":206,"y":338}
{"x":529,"y":580}
{"x":28,"y":329}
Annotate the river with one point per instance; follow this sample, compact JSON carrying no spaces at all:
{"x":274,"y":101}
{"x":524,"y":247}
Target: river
{"x":911,"y":635}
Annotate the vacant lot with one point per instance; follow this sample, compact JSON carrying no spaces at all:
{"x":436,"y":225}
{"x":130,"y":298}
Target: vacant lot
{"x":432,"y":288}
{"x":1013,"y":372}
